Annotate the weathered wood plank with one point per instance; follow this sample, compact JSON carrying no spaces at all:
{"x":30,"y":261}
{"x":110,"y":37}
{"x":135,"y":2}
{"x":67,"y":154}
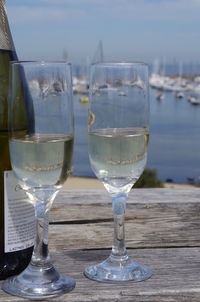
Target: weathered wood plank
{"x":162,"y":230}
{"x":154,"y":218}
{"x":176,"y":277}
{"x":91,"y":204}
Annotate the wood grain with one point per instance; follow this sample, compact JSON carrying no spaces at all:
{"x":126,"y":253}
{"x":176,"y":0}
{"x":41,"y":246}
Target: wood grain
{"x":162,"y":231}
{"x":176,"y":277}
{"x":154,"y":218}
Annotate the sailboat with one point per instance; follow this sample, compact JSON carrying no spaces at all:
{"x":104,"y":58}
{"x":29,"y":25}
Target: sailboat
{"x":97,"y":58}
{"x":98,"y":54}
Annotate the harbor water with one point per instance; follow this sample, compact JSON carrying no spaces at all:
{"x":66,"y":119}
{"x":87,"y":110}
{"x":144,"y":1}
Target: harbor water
{"x":174,"y":147}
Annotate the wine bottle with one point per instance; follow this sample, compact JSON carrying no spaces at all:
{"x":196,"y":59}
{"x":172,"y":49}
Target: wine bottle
{"x":15,"y":251}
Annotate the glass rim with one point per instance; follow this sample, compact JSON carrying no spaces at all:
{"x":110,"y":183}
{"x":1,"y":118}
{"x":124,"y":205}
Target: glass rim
{"x":39,"y":62}
{"x":119,"y":64}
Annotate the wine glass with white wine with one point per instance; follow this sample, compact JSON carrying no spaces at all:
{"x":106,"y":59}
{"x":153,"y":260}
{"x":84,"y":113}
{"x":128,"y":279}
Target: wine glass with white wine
{"x":41,"y":144}
{"x":118,"y":134}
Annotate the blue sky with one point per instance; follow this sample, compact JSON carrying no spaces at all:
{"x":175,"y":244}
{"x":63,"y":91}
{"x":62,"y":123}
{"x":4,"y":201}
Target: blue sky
{"x":129,"y":29}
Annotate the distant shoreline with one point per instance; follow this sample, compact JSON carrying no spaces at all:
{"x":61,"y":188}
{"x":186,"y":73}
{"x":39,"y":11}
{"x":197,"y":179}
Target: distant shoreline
{"x":87,"y":183}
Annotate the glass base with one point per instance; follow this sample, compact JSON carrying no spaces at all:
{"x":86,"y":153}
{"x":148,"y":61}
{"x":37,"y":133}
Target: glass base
{"x":115,"y":269}
{"x":38,"y":283}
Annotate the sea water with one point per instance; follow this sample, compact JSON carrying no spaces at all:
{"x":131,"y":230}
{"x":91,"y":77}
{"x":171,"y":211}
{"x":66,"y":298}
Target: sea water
{"x":174,"y":146}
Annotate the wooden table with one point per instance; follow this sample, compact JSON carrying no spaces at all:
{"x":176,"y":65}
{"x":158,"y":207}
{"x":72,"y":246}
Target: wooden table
{"x":162,"y":231}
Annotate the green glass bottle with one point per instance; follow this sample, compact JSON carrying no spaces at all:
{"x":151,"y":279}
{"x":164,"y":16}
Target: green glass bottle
{"x":12,"y":261}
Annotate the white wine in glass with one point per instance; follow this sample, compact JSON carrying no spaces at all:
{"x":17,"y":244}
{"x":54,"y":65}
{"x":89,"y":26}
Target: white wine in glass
{"x":41,"y":146}
{"x":118,"y":134}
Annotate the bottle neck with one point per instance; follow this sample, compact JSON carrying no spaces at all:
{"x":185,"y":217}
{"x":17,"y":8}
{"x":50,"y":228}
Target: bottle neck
{"x":6,"y":41}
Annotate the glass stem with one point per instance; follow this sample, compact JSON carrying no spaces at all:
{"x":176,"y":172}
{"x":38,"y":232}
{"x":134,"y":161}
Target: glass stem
{"x":118,"y":207}
{"x":41,"y":255}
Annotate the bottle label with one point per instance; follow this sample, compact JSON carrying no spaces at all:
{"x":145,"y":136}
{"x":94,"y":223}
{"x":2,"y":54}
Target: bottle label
{"x":19,"y":216}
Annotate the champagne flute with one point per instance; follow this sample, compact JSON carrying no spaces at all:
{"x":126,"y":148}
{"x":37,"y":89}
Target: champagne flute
{"x":118,"y":137}
{"x":41,"y":143}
